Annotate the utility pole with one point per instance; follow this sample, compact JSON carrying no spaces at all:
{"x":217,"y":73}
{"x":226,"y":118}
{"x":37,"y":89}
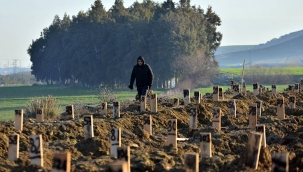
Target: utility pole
{"x":14,"y":63}
{"x":7,"y":67}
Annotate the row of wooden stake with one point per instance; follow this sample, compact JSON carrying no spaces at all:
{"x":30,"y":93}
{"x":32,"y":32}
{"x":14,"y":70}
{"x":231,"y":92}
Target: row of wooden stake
{"x":62,"y":160}
{"x":115,"y":137}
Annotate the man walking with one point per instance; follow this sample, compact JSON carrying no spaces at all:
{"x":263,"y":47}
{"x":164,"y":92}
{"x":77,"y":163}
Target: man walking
{"x":144,"y":77}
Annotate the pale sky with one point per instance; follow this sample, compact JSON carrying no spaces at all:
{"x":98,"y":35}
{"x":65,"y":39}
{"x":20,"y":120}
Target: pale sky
{"x":244,"y":22}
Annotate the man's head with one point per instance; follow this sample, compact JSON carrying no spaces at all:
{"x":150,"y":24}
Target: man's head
{"x":140,"y":61}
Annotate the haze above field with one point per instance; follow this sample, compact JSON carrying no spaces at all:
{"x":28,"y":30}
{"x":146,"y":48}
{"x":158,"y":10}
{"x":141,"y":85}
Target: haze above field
{"x":243,"y":22}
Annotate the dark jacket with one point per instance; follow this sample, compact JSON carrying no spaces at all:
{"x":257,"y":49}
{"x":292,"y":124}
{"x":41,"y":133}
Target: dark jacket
{"x":143,"y":74}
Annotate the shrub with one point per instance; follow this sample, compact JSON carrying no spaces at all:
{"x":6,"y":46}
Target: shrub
{"x":50,"y":106}
{"x":107,"y":95}
{"x":79,"y":107}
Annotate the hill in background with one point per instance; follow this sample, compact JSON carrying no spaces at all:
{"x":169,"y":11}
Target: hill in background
{"x":284,"y":51}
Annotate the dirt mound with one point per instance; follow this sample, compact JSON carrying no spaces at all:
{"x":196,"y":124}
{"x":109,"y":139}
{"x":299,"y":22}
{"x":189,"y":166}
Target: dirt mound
{"x":152,"y":153}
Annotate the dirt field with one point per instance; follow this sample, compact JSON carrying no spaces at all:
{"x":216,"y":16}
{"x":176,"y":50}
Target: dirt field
{"x":152,"y":153}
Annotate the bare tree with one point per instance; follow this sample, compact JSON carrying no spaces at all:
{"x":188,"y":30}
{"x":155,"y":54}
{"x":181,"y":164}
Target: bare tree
{"x":196,"y":70}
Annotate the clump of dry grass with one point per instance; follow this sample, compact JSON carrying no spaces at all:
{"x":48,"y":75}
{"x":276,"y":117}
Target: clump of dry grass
{"x":79,"y":107}
{"x":50,"y":105}
{"x":107,"y":95}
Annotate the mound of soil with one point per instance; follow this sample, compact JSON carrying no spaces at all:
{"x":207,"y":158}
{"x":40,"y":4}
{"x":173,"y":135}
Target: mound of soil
{"x":152,"y":153}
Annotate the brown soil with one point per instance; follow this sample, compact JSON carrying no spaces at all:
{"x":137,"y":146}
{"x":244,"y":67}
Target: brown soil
{"x":152,"y":154}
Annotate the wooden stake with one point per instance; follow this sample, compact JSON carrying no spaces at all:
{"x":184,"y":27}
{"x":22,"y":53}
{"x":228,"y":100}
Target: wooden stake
{"x":205,"y":144}
{"x":117,"y":166}
{"x":292,"y":102}
{"x":215,"y":93}
{"x":124,"y":155}
{"x":115,"y":141}
{"x":301,"y":84}
{"x":104,"y":108}
{"x":280,"y":162}
{"x":36,"y":150}
{"x":172,"y":132}
{"x":232,"y":85}
{"x":290,"y":88}
{"x":39,"y":114}
{"x":259,"y":107}
{"x":176,"y":102}
{"x":69,"y":112}
{"x":260,"y":89}
{"x":236,"y":89}
{"x":274,"y":89}
{"x":256,"y":90}
{"x":216,"y":121}
{"x":197,"y":97}
{"x":221,"y":95}
{"x":143,"y":104}
{"x":61,"y":162}
{"x":252,"y":116}
{"x":147,"y":124}
{"x":193,"y":118}
{"x":186,"y":95}
{"x":232,"y":107}
{"x":191,"y":162}
{"x":253,"y":150}
{"x":153,"y":103}
{"x":260,"y":128}
{"x":88,"y":125}
{"x":19,"y":120}
{"x":297,"y":87}
{"x":116,"y":109}
{"x":280,"y":108}
{"x":13,"y":147}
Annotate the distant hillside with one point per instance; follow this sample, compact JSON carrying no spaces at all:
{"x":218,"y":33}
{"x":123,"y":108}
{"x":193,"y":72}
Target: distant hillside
{"x":280,"y":40}
{"x":286,"y":50}
{"x":233,"y":48}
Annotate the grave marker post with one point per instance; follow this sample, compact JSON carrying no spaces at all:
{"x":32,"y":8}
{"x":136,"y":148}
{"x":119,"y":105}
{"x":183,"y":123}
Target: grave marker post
{"x":280,"y":162}
{"x":191,"y":162}
{"x":115,"y":141}
{"x":116,"y":109}
{"x":19,"y":120}
{"x":172,"y":132}
{"x":253,"y":150}
{"x":153,"y":103}
{"x":13,"y":147}
{"x":186,"y":95}
{"x":88,"y":125}
{"x":255,"y":87}
{"x":193,"y":118}
{"x":205,"y":145}
{"x":215,"y":93}
{"x":216,"y":120}
{"x":280,"y":108}
{"x":36,"y":150}
{"x":61,"y":162}
{"x":39,"y":114}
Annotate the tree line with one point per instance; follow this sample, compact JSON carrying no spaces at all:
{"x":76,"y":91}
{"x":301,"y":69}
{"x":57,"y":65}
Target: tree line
{"x":101,"y":47}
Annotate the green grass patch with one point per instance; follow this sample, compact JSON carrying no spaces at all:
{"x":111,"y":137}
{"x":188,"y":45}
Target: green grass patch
{"x":13,"y":98}
{"x":296,"y":71}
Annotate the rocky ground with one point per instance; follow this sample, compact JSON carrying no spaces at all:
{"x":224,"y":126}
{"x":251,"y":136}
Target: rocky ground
{"x":152,"y":153}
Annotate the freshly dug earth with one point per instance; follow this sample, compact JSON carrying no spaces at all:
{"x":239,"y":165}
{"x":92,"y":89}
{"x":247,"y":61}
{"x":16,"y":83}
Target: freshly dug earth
{"x":152,"y":153}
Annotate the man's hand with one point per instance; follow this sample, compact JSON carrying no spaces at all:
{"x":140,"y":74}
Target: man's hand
{"x":130,"y":87}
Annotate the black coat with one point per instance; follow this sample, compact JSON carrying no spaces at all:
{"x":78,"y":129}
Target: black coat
{"x":143,"y":75}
